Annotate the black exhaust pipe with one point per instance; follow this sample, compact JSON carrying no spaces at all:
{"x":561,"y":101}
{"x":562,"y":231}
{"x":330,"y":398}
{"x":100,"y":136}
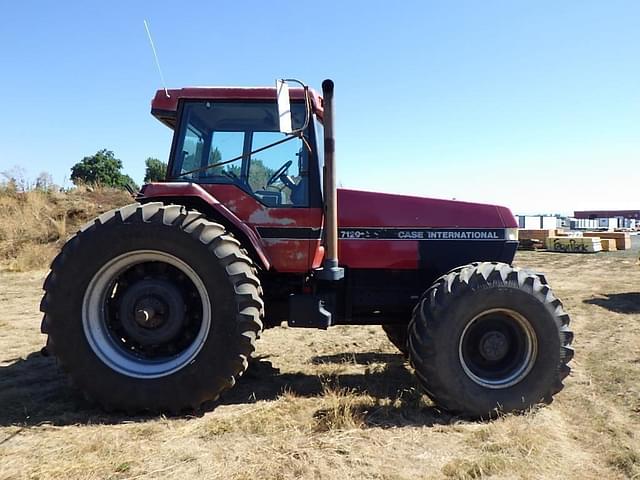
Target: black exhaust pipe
{"x":330,"y":269}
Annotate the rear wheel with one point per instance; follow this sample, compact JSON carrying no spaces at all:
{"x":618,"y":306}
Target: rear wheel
{"x":152,"y":307}
{"x":489,"y":337}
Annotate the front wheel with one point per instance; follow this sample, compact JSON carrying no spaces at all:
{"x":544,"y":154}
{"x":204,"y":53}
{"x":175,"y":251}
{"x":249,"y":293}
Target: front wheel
{"x":490,"y":338}
{"x":152,"y":307}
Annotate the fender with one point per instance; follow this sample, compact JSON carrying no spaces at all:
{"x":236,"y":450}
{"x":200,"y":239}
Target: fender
{"x":193,"y":195}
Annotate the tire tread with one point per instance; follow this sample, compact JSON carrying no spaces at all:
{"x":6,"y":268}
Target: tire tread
{"x":445,"y":290}
{"x":240,"y":271}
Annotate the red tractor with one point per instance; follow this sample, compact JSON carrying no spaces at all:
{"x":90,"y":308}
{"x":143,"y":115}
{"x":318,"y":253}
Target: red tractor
{"x":156,"y":306}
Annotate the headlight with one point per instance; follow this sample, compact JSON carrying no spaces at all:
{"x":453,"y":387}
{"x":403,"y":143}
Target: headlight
{"x":511,"y":234}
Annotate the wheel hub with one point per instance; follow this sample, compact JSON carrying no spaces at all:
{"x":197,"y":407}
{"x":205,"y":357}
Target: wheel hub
{"x":149,"y":312}
{"x":497,"y":348}
{"x":494,"y":346}
{"x":152,"y":311}
{"x":146,"y":314}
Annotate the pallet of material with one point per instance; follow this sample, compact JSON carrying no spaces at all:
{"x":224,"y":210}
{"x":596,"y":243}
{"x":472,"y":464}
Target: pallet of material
{"x":574,"y":244}
{"x":530,"y":244}
{"x":608,"y":244}
{"x":623,"y":239}
{"x":538,"y":234}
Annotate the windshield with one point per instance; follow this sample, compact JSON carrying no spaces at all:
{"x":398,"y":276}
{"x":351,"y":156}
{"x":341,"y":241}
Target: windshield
{"x":213,"y":133}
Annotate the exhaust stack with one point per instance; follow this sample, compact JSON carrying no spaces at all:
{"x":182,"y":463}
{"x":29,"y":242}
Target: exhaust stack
{"x":330,"y":269}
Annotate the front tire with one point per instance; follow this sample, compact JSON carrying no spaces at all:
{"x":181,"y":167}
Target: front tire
{"x":152,"y":307}
{"x":489,"y":338}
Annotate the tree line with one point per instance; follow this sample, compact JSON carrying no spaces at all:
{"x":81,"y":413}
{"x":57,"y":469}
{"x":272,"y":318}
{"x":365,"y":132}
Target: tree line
{"x":103,"y":168}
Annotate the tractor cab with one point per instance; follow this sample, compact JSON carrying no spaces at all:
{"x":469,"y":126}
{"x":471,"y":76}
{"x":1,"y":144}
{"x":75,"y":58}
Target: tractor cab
{"x":226,"y":136}
{"x":231,"y":144}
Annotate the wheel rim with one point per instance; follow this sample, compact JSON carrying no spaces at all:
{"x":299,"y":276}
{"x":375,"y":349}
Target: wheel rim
{"x":146,"y":314}
{"x":498,"y":348}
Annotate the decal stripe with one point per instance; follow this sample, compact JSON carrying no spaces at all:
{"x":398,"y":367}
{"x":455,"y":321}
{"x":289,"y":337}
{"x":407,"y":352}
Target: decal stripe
{"x":422,"y":234}
{"x":413,"y":234}
{"x":291,"y":233}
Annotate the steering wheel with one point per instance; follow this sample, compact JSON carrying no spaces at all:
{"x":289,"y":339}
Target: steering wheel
{"x":278,"y":173}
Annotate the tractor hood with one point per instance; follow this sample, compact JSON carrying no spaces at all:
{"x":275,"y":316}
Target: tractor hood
{"x":372,"y":209}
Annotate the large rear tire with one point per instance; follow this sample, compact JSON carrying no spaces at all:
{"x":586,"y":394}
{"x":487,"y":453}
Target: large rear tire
{"x":489,"y":338}
{"x":152,"y":308}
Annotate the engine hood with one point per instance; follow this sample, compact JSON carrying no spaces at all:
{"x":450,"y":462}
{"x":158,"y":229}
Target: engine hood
{"x":372,"y":209}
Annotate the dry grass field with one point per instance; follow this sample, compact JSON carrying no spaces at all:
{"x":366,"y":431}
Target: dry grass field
{"x":35,"y":224}
{"x":338,"y":404}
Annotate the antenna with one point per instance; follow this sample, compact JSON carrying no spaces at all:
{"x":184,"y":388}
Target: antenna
{"x":155,"y":55}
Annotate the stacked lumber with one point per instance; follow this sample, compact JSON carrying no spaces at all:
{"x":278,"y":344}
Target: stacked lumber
{"x":537,"y":234}
{"x":608,"y":244}
{"x":623,"y":239}
{"x":530,"y":244}
{"x":574,"y":244}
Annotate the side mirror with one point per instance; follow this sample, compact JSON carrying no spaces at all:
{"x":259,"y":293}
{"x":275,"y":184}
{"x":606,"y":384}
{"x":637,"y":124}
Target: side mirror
{"x":284,"y":106}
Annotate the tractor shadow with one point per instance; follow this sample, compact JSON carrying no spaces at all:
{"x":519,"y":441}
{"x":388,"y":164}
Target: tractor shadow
{"x":398,"y":400}
{"x":617,"y":302}
{"x":366,"y":358}
{"x":33,"y":392}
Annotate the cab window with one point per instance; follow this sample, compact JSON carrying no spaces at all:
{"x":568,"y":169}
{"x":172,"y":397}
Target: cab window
{"x":215,"y":142}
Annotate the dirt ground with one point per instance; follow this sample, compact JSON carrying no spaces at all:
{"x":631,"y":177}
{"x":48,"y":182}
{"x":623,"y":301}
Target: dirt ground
{"x":339,"y":404}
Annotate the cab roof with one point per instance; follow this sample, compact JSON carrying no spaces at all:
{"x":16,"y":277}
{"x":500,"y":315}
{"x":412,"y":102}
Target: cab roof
{"x":165,"y":108}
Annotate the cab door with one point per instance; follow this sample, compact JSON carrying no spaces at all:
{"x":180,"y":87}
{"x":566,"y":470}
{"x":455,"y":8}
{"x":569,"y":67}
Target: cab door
{"x":269,"y":180}
{"x":273,"y":194}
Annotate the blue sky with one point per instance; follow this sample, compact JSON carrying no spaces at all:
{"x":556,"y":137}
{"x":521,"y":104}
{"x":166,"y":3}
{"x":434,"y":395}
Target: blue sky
{"x":534,"y":105}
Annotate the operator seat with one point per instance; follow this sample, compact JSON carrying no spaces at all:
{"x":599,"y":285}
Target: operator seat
{"x":300,"y":192}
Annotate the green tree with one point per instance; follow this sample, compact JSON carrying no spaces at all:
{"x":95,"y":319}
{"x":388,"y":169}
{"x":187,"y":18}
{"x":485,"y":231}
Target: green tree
{"x":156,"y":170}
{"x":127,"y":180}
{"x":103,"y":168}
{"x":259,"y":173}
{"x":215,"y":156}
